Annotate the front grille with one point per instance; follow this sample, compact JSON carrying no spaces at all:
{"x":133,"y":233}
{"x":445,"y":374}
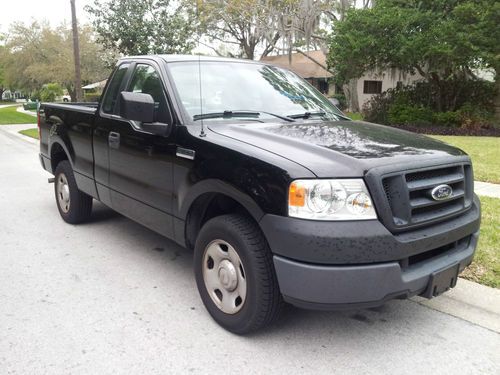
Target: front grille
{"x":409,"y":200}
{"x":417,"y":259}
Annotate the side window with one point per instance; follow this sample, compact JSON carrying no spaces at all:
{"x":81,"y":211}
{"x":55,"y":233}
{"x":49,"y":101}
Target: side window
{"x":146,"y":80}
{"x":112,"y":92}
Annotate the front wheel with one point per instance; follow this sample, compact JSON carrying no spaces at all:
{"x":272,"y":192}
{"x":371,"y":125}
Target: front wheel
{"x":235,"y":274}
{"x":73,"y":205}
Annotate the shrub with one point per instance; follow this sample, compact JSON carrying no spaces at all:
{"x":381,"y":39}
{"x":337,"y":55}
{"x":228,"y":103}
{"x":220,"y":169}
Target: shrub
{"x":449,"y":118}
{"x":342,"y":101}
{"x":408,"y":114}
{"x":50,"y":91}
{"x":91,"y":97}
{"x":36,"y":96}
{"x":454,"y":103}
{"x":377,"y":108}
{"x":474,"y":118}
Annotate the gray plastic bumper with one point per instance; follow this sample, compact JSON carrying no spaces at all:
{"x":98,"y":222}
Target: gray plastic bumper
{"x":349,"y":286}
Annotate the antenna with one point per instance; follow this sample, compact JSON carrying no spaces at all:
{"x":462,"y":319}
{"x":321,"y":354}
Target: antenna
{"x":198,"y":6}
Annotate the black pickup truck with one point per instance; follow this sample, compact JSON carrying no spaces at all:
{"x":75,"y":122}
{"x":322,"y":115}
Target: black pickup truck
{"x":282,"y":198}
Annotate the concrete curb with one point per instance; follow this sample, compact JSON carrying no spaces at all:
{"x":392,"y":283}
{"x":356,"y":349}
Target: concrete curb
{"x":21,"y":110}
{"x":475,"y":303}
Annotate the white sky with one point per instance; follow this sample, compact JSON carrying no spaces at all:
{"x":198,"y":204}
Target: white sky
{"x":54,"y":11}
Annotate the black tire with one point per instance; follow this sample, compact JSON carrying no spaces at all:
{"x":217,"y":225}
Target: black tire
{"x":79,"y":208}
{"x":263,"y":302}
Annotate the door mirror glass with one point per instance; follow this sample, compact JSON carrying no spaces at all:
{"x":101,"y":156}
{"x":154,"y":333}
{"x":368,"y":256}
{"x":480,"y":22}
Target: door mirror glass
{"x":137,"y":106}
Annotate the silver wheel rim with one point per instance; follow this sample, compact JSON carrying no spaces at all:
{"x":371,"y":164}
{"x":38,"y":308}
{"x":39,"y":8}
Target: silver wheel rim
{"x":62,"y":190}
{"x":224,"y":276}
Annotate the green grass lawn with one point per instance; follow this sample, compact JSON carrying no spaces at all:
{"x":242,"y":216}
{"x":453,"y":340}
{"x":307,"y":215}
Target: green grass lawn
{"x":356,"y":116}
{"x":485,"y":268}
{"x":9,"y":115}
{"x":33,"y":133}
{"x":485,"y":154}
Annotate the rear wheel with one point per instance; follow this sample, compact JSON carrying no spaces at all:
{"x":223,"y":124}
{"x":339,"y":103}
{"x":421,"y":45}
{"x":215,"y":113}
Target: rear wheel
{"x":73,"y":205}
{"x":235,"y":274}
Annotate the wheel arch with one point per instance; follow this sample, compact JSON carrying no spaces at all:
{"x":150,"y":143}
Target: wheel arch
{"x":58,"y":152}
{"x":211,"y":198}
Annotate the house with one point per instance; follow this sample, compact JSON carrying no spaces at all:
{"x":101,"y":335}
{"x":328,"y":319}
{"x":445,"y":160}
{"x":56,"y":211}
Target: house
{"x":304,"y":66}
{"x":12,"y":95}
{"x":312,"y":68}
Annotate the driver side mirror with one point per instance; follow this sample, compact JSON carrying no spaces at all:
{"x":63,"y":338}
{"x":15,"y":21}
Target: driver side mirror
{"x":137,"y":106}
{"x":140,"y":107}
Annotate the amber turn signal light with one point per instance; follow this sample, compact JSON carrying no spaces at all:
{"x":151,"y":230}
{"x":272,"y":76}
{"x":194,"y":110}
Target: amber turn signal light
{"x":296,"y":195}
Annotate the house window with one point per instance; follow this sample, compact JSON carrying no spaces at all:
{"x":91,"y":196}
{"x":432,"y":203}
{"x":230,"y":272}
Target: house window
{"x":323,"y":86}
{"x":372,"y":87}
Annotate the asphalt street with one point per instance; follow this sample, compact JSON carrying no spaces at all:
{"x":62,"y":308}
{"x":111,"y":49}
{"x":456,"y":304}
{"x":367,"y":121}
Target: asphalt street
{"x":112,"y":297}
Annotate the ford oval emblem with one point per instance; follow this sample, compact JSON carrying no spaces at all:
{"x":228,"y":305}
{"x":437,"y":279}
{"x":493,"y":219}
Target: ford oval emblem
{"x":442,"y":192}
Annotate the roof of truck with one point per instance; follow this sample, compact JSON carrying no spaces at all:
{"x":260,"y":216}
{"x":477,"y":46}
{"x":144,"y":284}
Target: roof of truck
{"x":176,"y":58}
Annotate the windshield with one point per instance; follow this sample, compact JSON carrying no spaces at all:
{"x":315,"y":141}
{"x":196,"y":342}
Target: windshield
{"x":235,"y":86}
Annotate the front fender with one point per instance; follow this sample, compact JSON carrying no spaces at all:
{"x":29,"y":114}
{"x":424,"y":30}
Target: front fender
{"x":219,"y":187}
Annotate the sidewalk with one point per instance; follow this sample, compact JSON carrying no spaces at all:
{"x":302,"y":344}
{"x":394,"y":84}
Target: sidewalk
{"x":487,"y":189}
{"x":7,"y":105}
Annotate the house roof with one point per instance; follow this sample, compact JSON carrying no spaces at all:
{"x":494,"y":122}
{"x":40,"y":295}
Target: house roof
{"x":301,"y":65}
{"x":96,"y":85}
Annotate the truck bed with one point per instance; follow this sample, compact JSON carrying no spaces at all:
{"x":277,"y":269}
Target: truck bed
{"x":79,"y":107}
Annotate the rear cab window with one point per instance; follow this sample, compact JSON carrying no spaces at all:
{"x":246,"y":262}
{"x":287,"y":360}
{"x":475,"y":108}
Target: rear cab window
{"x":111,"y":95}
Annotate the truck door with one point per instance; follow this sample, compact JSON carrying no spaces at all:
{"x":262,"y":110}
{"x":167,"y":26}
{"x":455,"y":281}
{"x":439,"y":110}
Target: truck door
{"x":106,"y":119}
{"x":140,"y":163}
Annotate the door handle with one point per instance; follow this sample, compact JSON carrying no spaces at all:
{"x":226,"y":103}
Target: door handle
{"x":114,"y":140}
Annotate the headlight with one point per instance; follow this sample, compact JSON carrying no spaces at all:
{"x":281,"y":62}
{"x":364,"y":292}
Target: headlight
{"x":341,"y":199}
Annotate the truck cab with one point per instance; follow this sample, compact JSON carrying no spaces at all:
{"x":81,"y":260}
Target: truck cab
{"x":282,"y":198}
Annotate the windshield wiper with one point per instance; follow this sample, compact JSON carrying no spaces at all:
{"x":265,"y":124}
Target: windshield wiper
{"x":307,"y":115}
{"x":236,"y":114}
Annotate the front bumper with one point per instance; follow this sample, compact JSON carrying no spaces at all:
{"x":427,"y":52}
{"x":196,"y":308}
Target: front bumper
{"x":325,"y":265}
{"x":359,"y":286}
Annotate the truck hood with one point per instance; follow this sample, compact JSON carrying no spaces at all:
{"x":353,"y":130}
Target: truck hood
{"x":339,"y":148}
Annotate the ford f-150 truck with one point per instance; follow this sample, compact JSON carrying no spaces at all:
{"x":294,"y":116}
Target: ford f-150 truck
{"x":282,"y":198}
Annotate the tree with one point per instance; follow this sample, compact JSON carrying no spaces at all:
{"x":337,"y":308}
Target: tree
{"x":3,"y":55}
{"x":76,"y":53}
{"x":37,"y":54}
{"x":268,"y":25}
{"x":141,"y":27}
{"x":430,"y":37}
{"x":2,"y":77}
{"x":243,"y":23}
{"x":479,"y":22}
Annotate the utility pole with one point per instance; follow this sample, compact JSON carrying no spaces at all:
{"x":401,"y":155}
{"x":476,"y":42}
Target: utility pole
{"x":76,"y":54}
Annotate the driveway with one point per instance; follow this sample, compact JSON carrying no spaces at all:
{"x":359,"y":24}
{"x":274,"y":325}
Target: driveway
{"x":112,"y":297}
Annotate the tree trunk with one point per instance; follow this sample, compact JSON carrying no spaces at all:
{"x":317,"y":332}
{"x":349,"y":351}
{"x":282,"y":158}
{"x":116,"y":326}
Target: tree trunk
{"x":76,"y":56}
{"x":351,"y":95}
{"x":71,"y":93}
{"x":496,"y":100}
{"x":2,"y":90}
